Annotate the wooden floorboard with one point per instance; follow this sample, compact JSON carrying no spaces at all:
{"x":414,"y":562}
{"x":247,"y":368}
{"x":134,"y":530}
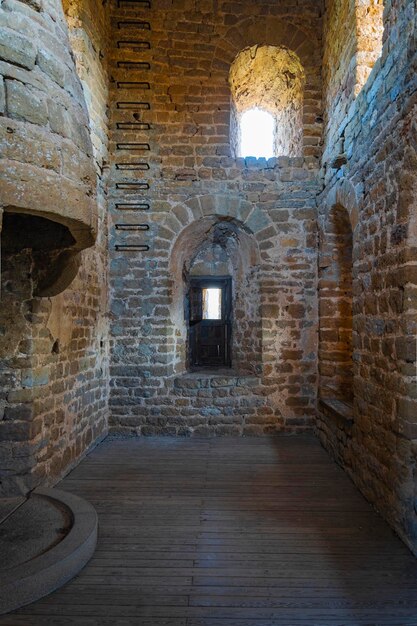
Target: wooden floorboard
{"x":229,"y":532}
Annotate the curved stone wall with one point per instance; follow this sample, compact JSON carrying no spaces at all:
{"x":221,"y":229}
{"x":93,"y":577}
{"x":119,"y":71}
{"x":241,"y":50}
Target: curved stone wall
{"x":46,"y":167}
{"x":53,"y":349}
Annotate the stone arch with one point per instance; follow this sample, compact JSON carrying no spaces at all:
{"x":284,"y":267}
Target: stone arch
{"x":202,"y":233}
{"x":224,"y":206}
{"x":265,"y":31}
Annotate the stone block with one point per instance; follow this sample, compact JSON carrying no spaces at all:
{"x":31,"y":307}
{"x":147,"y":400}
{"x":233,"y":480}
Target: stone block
{"x":407,"y":409}
{"x":26,"y":103}
{"x":19,"y":431}
{"x":20,"y":412}
{"x":222,"y":382}
{"x":17,"y":48}
{"x":406,"y":349}
{"x":51,"y":66}
{"x":58,"y":117}
{"x":35,"y":377}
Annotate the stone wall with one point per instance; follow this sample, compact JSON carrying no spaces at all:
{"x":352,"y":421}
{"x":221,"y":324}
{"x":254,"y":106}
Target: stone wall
{"x":54,"y":375}
{"x":173,"y":173}
{"x":375,"y":181}
{"x":341,"y":260}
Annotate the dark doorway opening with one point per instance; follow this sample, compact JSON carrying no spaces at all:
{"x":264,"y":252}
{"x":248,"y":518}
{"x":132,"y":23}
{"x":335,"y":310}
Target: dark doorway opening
{"x":210,"y":308}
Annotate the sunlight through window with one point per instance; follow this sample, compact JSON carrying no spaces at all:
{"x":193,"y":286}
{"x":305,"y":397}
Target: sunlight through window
{"x":212,"y":304}
{"x":257,"y":134}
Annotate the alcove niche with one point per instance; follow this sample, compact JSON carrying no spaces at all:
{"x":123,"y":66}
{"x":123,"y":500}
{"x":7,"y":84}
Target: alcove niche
{"x":267,"y":81}
{"x":336,"y":319}
{"x":215,"y":247}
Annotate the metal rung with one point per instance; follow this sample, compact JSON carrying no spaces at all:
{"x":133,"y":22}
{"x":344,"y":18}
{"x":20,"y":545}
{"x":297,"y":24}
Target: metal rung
{"x":133,"y":106}
{"x":138,"y":24}
{"x":133,"y":146}
{"x":145,"y":4}
{"x":132,"y":226}
{"x":134,"y":45}
{"x":138,"y":186}
{"x":134,"y":65}
{"x":133,"y":126}
{"x":132,"y":85}
{"x":132,"y":166}
{"x":125,"y":206}
{"x":131,"y":248}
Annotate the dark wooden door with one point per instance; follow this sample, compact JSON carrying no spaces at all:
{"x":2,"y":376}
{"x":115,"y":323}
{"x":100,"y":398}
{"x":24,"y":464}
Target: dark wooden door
{"x":210,"y":321}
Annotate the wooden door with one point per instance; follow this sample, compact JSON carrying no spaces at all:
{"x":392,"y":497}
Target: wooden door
{"x":210,"y":321}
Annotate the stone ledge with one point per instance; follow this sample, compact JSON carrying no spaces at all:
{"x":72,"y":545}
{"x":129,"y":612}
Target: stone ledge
{"x":212,"y":378}
{"x":338,"y":411}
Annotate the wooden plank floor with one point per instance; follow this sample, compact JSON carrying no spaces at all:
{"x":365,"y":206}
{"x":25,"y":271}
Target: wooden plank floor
{"x":229,"y":532}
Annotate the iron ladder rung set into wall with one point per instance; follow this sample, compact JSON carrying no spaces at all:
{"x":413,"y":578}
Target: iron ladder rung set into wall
{"x":133,"y":100}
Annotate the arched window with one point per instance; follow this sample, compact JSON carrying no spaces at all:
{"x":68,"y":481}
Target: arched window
{"x":267,"y":85}
{"x":369,"y":34}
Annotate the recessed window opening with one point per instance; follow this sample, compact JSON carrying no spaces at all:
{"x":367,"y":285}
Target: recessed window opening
{"x":267,"y":87}
{"x":212,"y":304}
{"x":257,"y":130}
{"x":369,"y":16}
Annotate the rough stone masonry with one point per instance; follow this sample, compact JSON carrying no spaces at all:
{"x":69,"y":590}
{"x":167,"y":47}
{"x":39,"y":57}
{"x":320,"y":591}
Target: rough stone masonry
{"x":121,"y":178}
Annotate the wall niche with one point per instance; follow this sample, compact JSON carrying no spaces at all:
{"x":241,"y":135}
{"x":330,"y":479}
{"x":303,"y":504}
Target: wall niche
{"x":268,"y":80}
{"x":217,"y":247}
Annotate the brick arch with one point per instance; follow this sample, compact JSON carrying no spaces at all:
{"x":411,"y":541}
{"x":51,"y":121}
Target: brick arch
{"x":265,"y":31}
